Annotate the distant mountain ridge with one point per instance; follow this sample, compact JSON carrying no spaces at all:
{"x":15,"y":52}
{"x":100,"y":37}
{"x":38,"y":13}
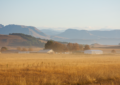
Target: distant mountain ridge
{"x":29,"y":30}
{"x":69,"y":35}
{"x":84,"y":34}
{"x":77,"y":34}
{"x":1,"y":26}
{"x":106,"y":34}
{"x":51,"y":32}
{"x":89,"y":37}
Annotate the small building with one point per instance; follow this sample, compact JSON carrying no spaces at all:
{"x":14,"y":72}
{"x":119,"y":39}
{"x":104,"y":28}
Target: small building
{"x":46,"y":51}
{"x":93,"y":52}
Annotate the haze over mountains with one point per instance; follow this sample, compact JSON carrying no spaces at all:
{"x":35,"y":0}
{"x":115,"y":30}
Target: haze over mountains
{"x":51,"y":32}
{"x":29,"y":30}
{"x":88,"y":37}
{"x":69,"y":35}
{"x":94,"y":34}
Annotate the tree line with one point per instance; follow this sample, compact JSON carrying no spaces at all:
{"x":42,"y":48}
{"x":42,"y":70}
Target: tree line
{"x":59,"y":47}
{"x":18,"y":48}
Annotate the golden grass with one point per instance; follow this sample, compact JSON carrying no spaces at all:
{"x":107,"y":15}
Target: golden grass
{"x":59,"y":69}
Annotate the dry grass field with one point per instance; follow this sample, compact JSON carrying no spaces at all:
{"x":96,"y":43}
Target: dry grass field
{"x":59,"y":69}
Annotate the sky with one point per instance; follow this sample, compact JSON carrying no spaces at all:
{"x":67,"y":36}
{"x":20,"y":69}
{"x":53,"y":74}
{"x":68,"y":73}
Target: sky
{"x":62,"y":14}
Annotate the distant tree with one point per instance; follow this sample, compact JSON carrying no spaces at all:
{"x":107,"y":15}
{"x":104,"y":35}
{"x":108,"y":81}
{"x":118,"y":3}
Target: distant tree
{"x":70,"y":46}
{"x":65,"y":48}
{"x":3,"y":48}
{"x":19,"y":48}
{"x":49,"y":44}
{"x":56,"y":46}
{"x":60,"y":47}
{"x":24,"y":49}
{"x":81,"y":47}
{"x":87,"y":47}
{"x":30,"y":49}
{"x":113,"y":51}
{"x":75,"y":47}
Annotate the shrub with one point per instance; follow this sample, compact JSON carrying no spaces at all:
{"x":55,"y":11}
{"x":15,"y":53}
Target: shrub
{"x":3,"y":49}
{"x":19,"y":48}
{"x":30,"y":49}
{"x":113,"y":51}
{"x":87,"y":47}
{"x":24,"y":49}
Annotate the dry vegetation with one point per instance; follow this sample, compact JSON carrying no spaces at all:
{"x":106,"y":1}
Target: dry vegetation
{"x":59,"y":69}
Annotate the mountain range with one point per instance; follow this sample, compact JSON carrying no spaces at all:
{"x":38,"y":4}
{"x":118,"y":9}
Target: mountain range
{"x":29,"y":30}
{"x":88,"y":37}
{"x":85,"y":34}
{"x":51,"y":32}
{"x":69,"y":35}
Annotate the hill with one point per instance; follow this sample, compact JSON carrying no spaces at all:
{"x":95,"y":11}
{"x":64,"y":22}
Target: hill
{"x":85,"y":34}
{"x":1,"y":26}
{"x":70,"y":35}
{"x":18,"y":39}
{"x":89,"y":37}
{"x":77,"y":34}
{"x":51,"y":32}
{"x":106,"y":34}
{"x":28,"y":30}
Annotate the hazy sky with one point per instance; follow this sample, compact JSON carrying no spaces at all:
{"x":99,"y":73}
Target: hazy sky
{"x":90,"y":14}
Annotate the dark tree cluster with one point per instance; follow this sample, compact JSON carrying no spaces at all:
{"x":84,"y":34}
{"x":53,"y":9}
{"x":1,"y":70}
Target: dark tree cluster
{"x":56,"y":46}
{"x":87,"y":47}
{"x":59,"y":47}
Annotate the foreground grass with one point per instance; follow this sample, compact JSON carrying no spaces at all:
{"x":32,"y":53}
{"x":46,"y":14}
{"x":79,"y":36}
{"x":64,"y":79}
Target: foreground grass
{"x":44,"y":69}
